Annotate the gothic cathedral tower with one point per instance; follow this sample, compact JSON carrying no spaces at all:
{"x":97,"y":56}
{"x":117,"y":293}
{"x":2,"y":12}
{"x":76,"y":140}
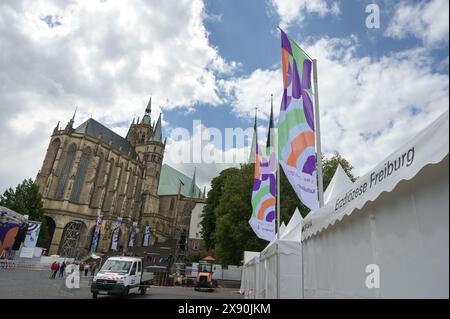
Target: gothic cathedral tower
{"x":147,"y":141}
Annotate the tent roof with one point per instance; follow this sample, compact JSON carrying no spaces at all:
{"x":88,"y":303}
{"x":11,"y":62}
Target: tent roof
{"x":428,"y":147}
{"x":248,"y":255}
{"x":339,"y":183}
{"x":9,"y":216}
{"x":295,"y":220}
{"x":293,"y":230}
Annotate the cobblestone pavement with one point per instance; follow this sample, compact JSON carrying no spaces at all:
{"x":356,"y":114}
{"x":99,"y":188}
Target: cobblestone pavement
{"x":36,"y":284}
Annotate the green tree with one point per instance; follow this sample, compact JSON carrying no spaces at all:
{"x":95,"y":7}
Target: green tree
{"x":208,"y":222}
{"x":330,"y":165}
{"x":233,"y":233}
{"x":27,"y":200}
{"x":229,"y":208}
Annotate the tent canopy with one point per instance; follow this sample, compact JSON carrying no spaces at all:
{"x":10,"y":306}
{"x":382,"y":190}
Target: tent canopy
{"x":430,"y":146}
{"x":338,"y":184}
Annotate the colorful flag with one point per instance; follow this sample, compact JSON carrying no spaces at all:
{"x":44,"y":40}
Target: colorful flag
{"x":116,"y":234}
{"x":264,"y":196}
{"x":296,"y":135}
{"x":132,"y":234}
{"x":147,"y":234}
{"x":95,"y":237}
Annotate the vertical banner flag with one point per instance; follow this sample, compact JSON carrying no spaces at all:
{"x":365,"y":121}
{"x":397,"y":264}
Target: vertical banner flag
{"x":30,"y":241}
{"x":146,"y":241}
{"x":116,"y":233}
{"x":95,"y":237}
{"x":264,"y":196}
{"x":132,"y":234}
{"x":296,"y":135}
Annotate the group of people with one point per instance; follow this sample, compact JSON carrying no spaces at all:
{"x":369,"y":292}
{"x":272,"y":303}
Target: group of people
{"x":56,"y":267}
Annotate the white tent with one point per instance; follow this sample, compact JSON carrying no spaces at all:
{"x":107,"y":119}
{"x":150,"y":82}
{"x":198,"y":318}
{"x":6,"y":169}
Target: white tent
{"x":289,"y":250}
{"x":251,"y":277}
{"x":246,"y":276}
{"x":290,"y":270}
{"x":259,"y":278}
{"x":339,"y":183}
{"x":392,"y":225}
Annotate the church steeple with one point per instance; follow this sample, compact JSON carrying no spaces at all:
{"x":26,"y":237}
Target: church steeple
{"x":193,"y":186}
{"x":252,"y":156}
{"x":148,"y":110}
{"x":69,"y":126}
{"x":270,"y":133}
{"x":157,"y":131}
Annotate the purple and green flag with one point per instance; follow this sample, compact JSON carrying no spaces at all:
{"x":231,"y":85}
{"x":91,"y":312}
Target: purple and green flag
{"x":264,"y":195}
{"x":296,"y":134}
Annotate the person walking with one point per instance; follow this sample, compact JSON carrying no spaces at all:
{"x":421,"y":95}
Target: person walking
{"x":93,"y":268}
{"x":62,"y":268}
{"x":54,"y":267}
{"x":86,"y":269}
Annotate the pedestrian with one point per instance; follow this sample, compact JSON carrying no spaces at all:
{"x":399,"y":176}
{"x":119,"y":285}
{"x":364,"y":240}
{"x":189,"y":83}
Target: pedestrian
{"x":61,"y":269}
{"x":93,"y":269}
{"x":54,"y":267}
{"x":86,"y":269}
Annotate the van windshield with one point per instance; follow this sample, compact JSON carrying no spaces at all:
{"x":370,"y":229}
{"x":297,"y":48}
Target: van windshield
{"x":116,"y":266}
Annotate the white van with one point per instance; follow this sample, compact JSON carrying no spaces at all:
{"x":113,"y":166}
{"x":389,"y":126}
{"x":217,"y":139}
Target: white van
{"x":120,"y":276}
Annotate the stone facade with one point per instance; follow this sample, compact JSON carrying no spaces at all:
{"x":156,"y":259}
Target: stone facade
{"x":90,"y":171}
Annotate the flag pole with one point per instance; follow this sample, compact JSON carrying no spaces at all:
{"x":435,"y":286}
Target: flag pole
{"x":278,"y":217}
{"x":318,"y":141}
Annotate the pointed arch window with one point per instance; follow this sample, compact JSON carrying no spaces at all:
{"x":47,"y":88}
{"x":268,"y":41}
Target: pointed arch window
{"x":81,"y":174}
{"x":62,"y":182}
{"x":51,"y":157}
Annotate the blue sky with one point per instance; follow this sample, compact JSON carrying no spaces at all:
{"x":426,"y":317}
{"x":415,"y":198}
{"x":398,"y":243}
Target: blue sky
{"x":246,"y":32}
{"x":215,"y":61}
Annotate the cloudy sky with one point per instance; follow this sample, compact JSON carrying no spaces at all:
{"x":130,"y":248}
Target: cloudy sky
{"x":215,"y":61}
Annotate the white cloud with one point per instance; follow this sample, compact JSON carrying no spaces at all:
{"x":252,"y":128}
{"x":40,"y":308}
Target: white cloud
{"x":209,"y":157}
{"x":368,"y":106}
{"x":426,"y":20}
{"x":293,"y":11}
{"x":106,"y":57}
{"x":248,"y":92}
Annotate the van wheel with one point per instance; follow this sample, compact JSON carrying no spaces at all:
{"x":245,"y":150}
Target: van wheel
{"x":94,"y":295}
{"x":126,"y":292}
{"x":143,"y":290}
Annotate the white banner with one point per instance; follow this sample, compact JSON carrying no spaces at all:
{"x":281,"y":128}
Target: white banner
{"x":30,"y":241}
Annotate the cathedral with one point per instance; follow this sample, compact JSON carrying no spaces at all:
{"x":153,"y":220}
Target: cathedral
{"x":90,"y":171}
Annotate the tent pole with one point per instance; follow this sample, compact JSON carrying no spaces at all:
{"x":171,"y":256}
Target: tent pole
{"x":318,"y":141}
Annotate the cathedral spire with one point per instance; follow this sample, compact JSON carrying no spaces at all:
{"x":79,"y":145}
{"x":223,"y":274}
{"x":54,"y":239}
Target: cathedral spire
{"x":270,"y":137}
{"x":56,"y":129}
{"x":148,"y":109}
{"x":69,"y":125}
{"x":252,"y":156}
{"x":193,"y":186}
{"x":157,"y":131}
